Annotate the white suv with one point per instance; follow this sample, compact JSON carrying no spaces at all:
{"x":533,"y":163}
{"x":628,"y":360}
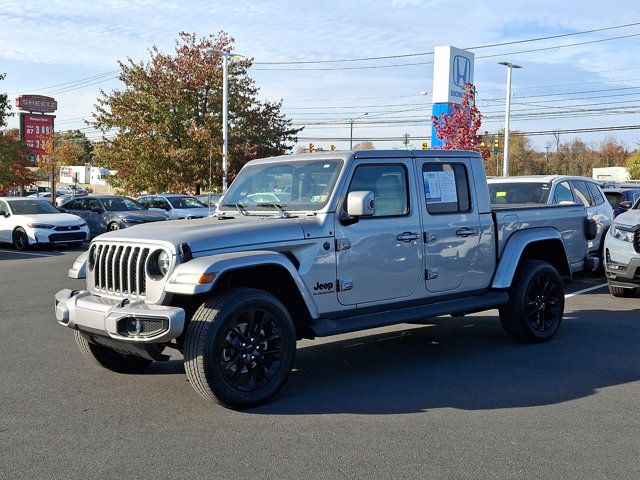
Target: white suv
{"x":622,"y":254}
{"x":556,"y":190}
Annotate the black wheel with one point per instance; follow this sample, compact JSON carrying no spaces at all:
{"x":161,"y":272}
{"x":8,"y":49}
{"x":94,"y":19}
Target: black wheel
{"x":240,"y":347}
{"x":108,"y":358}
{"x":536,"y":303}
{"x":20,"y":239}
{"x":113,"y":226}
{"x":622,"y":292}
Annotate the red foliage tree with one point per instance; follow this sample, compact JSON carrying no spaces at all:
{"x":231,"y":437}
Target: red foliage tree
{"x":458,"y":130}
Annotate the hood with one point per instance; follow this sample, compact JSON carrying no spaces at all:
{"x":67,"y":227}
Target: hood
{"x":198,"y":212}
{"x":629,"y":219}
{"x":211,"y":233}
{"x":56,"y":219}
{"x":140,"y":215}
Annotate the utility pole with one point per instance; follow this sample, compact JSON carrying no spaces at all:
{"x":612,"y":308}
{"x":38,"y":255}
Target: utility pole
{"x":406,"y":139}
{"x":505,"y":154}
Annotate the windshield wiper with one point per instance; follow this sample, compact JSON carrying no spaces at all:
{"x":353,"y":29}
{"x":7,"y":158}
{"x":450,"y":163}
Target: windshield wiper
{"x":279,"y":206}
{"x":241,"y":208}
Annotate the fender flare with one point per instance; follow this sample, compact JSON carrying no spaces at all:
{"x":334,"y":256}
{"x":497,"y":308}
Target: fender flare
{"x":514,"y":249}
{"x":225,"y":262}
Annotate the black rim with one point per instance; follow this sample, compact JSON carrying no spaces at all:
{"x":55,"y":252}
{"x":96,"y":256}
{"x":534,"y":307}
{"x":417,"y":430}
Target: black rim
{"x":543,"y":302}
{"x":250,"y":353}
{"x":114,"y":226}
{"x":21,"y":239}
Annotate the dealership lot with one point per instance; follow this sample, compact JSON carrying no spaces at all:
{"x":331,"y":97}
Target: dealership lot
{"x":454,"y":398}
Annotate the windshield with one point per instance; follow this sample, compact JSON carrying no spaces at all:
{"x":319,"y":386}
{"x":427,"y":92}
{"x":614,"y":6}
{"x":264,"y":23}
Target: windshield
{"x":298,"y":185}
{"x":519,"y":193}
{"x":30,"y":207}
{"x":121,"y":204}
{"x":185,"y":202}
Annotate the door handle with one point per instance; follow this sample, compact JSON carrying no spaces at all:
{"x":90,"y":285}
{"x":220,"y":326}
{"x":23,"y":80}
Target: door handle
{"x":465,"y":232}
{"x":408,"y":236}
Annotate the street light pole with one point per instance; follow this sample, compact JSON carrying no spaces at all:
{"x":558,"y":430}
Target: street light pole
{"x":351,"y":133}
{"x":505,"y":156}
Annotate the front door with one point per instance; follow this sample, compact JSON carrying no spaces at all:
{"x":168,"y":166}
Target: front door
{"x":451,"y":222}
{"x":380,"y":257}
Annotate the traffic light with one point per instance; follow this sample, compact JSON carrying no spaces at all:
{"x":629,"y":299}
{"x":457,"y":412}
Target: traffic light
{"x":425,"y":145}
{"x":332,"y":147}
{"x":311,"y":147}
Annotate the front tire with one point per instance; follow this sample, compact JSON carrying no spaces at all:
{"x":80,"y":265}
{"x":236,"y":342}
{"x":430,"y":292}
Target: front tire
{"x":622,"y":292}
{"x":536,"y":303}
{"x":113,"y":226}
{"x":108,"y":358}
{"x":20,"y":239}
{"x":240,"y":347}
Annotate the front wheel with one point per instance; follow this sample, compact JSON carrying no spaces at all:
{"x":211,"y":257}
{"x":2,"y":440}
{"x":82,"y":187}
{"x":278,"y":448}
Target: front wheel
{"x":240,"y":347}
{"x":113,"y":226}
{"x":108,"y":358}
{"x":20,"y":239}
{"x":536,"y":304}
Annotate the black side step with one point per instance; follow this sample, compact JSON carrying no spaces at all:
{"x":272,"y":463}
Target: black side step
{"x":325,"y":327}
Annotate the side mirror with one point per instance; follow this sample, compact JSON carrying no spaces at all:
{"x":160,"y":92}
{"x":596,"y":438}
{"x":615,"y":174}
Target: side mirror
{"x":4,"y":214}
{"x":624,"y":206}
{"x":97,"y":210}
{"x":361,"y":204}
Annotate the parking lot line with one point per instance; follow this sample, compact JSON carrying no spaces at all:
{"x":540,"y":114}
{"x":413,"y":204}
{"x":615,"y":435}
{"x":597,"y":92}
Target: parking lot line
{"x":585,"y":290}
{"x":27,"y":253}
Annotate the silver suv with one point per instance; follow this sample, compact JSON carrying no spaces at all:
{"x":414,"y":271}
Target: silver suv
{"x":622,"y":252}
{"x":557,"y":190}
{"x":176,"y":206}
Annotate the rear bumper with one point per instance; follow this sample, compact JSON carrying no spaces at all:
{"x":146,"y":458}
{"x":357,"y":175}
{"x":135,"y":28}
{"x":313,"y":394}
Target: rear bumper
{"x":134,"y":322}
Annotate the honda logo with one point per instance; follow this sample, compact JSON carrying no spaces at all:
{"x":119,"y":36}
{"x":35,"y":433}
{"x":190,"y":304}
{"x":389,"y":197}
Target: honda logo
{"x":461,"y":70}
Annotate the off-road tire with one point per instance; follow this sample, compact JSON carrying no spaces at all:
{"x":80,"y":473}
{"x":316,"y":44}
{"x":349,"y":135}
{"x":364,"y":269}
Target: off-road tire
{"x":20,"y":239}
{"x":536,"y":304}
{"x":108,"y":358}
{"x":221,"y":341}
{"x":622,"y":292}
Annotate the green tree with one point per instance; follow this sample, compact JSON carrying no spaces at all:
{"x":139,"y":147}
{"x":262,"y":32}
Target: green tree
{"x":80,"y":139}
{"x":162,"y":127}
{"x":633,"y":165}
{"x":5,"y":106}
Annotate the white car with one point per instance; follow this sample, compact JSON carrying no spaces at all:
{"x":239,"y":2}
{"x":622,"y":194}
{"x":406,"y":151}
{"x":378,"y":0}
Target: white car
{"x":557,"y":190}
{"x":32,"y":221}
{"x":622,"y":253}
{"x":176,"y":206}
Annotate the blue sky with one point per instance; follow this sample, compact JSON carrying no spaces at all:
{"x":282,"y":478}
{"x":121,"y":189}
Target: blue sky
{"x":46,"y":43}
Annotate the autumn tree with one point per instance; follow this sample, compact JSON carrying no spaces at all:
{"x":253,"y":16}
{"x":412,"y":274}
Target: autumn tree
{"x":633,"y":165}
{"x":81,"y":140}
{"x":366,"y":145}
{"x":5,"y":106}
{"x":459,"y":129}
{"x":160,"y":130}
{"x":14,"y":158}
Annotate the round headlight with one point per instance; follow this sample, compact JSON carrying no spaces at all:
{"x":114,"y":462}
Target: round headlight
{"x":164,"y":262}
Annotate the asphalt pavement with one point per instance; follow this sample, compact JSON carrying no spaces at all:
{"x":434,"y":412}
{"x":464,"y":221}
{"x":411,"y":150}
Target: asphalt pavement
{"x":452,"y":399}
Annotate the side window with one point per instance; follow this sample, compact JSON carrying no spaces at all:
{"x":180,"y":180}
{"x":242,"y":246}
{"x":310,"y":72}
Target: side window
{"x":582,"y":193}
{"x":159,"y":202}
{"x":75,"y":205}
{"x":4,"y":207}
{"x":595,"y":193}
{"x":389,"y":185}
{"x":144,"y":201}
{"x":446,"y":188}
{"x":91,"y":203}
{"x":563,"y":193}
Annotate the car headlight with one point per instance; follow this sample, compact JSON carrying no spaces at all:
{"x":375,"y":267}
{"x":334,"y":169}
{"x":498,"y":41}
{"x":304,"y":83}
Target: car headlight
{"x":82,"y":225}
{"x":40,"y":225}
{"x":620,"y":234}
{"x":164,"y":262}
{"x":131,"y":220}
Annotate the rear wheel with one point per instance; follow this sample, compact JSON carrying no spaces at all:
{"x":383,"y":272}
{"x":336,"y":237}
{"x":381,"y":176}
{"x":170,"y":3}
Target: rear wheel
{"x":536,"y":303}
{"x":20,"y":239}
{"x":240,"y":347}
{"x":108,"y":358}
{"x":622,"y":292}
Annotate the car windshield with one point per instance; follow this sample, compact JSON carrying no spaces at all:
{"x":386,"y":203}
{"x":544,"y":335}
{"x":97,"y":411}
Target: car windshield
{"x":31,"y":207}
{"x":298,"y":185}
{"x":121,"y":204}
{"x":519,"y":193}
{"x":185,"y":202}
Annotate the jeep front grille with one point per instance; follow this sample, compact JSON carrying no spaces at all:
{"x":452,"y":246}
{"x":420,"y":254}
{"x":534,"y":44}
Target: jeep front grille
{"x":120,"y":270}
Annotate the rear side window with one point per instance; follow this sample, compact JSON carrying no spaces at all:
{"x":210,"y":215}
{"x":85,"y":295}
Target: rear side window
{"x":389,"y":185}
{"x":75,"y":205}
{"x":563,"y":193}
{"x":446,"y":188}
{"x":582,"y":193}
{"x":595,"y":193}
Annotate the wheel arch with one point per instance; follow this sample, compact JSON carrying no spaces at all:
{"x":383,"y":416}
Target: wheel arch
{"x":536,"y":244}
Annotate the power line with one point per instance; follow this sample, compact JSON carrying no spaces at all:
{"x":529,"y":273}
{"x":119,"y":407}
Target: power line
{"x":67,"y":83}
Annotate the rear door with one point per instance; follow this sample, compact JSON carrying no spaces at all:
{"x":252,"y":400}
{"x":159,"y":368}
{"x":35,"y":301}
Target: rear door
{"x":451,"y":222}
{"x":379,"y":258}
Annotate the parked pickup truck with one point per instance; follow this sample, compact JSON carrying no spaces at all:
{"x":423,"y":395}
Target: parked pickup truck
{"x":313,"y":245}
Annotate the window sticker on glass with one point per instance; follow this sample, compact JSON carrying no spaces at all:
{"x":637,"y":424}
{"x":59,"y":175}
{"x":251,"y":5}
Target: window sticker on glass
{"x":440,"y":187}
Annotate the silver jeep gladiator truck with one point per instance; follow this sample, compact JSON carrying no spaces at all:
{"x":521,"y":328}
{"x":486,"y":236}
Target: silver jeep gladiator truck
{"x":315,"y":245}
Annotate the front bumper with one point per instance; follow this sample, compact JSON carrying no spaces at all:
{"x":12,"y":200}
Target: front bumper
{"x":623,"y":275}
{"x":46,"y":236}
{"x":122,"y":320}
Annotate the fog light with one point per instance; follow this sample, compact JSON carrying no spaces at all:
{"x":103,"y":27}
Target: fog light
{"x":134,"y":326}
